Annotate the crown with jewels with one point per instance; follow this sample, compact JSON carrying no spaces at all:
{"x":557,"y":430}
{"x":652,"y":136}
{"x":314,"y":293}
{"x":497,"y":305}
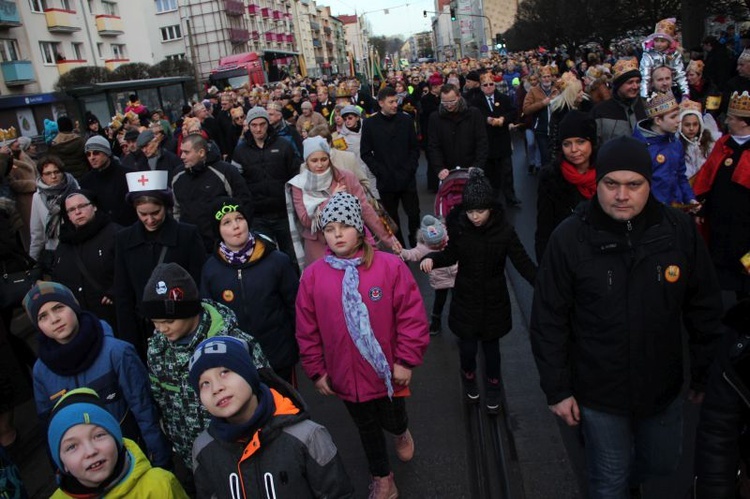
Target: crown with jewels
{"x":659,"y":104}
{"x":739,"y":104}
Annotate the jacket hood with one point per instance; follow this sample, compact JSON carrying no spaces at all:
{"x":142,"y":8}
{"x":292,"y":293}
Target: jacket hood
{"x":65,"y":137}
{"x":263,"y":247}
{"x":644,"y":133}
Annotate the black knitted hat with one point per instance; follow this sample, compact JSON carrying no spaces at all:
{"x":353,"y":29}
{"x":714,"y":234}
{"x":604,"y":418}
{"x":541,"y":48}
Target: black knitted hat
{"x":577,"y":124}
{"x":623,"y":153}
{"x":170,"y":293}
{"x":478,"y":193}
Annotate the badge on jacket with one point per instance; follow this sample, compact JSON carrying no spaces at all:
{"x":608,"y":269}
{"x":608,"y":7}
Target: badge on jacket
{"x":672,"y":274}
{"x":660,"y":158}
{"x":375,"y":293}
{"x":227,"y":295}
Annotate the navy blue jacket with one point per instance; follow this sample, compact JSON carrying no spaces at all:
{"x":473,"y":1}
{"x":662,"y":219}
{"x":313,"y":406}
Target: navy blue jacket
{"x":669,"y":183}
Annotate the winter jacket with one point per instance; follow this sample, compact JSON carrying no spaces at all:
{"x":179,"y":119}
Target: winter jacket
{"x":669,"y":184}
{"x":556,"y":200}
{"x":290,"y":134}
{"x":721,"y":442}
{"x":498,"y":137}
{"x":480,"y":304}
{"x":137,"y":254}
{"x":671,"y":58}
{"x":457,"y":139}
{"x":266,"y":171}
{"x":141,"y":481}
{"x":69,"y":148}
{"x":610,"y":303}
{"x":196,"y":188}
{"x":261,"y":293}
{"x":533,"y":105}
{"x":353,"y":140}
{"x":183,"y":416}
{"x":165,"y":161}
{"x":41,"y":201}
{"x":93,"y":248}
{"x":397,"y":317}
{"x":119,"y":378}
{"x":443,"y":278}
{"x":290,"y":456}
{"x":390,"y":149}
{"x":111,"y":187}
{"x":616,"y":118}
{"x":305,"y":123}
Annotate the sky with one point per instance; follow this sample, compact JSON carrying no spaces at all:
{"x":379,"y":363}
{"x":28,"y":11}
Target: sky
{"x":405,"y":17}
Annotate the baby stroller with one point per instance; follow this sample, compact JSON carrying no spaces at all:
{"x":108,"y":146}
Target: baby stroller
{"x":451,"y":191}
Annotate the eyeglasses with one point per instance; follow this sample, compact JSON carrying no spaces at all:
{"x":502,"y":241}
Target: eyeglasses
{"x":93,"y":153}
{"x":76,"y":208}
{"x":488,"y":84}
{"x":448,"y":102}
{"x":53,"y":173}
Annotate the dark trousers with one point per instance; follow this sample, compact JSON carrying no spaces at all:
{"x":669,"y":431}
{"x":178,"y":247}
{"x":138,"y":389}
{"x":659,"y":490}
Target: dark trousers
{"x":276,"y":228}
{"x":542,"y":140}
{"x":438,"y":304}
{"x":500,"y":174}
{"x":371,"y":418}
{"x":467,"y":350}
{"x":410,"y":202}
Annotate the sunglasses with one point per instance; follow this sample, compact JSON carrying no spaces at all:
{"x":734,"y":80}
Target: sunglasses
{"x":488,"y":84}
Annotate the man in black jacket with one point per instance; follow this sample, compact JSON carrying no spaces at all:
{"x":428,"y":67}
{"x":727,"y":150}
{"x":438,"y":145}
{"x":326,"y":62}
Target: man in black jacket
{"x":389,"y":147}
{"x":202,"y":179}
{"x":107,"y":179}
{"x":267,"y":163}
{"x":620,"y":281}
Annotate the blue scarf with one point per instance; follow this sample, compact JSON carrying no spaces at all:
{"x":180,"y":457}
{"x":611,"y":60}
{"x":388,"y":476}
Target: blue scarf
{"x":358,"y":319}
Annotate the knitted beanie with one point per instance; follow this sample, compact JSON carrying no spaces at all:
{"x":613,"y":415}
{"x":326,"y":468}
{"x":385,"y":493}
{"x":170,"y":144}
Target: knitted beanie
{"x":223,"y":205}
{"x":343,"y":208}
{"x":98,"y":143}
{"x":223,"y":351}
{"x":64,"y":124}
{"x":45,"y":292}
{"x":577,"y":124}
{"x":432,"y":230}
{"x":315,"y":144}
{"x":255,"y":113}
{"x":478,"y":193}
{"x":170,"y":293}
{"x":79,"y":406}
{"x":623,"y":153}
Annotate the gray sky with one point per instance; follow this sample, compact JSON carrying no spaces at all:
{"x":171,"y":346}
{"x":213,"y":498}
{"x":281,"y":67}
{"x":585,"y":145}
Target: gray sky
{"x":404,"y":17}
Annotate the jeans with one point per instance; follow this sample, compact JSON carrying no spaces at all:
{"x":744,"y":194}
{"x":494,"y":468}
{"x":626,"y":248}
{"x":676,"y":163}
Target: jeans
{"x":624,"y":452}
{"x":543,"y":143}
{"x":532,"y":151}
{"x":277,"y":228}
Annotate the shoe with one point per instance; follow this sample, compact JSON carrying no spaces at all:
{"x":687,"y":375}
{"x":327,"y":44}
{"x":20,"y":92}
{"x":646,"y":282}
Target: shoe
{"x":435,"y":326}
{"x":404,"y":446}
{"x":471,"y":389}
{"x":383,"y":487}
{"x":493,"y":396}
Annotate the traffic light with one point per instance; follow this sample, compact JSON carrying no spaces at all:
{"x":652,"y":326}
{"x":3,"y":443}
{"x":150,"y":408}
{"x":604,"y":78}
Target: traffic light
{"x":453,"y":14}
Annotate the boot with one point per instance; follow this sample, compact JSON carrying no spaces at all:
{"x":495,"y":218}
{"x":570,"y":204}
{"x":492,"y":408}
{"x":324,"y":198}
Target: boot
{"x":404,"y":446}
{"x":471,"y":389}
{"x":383,"y":487}
{"x":493,"y":396}
{"x":435,"y":325}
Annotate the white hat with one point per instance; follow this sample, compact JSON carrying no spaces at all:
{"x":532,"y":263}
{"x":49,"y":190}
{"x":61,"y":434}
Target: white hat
{"x":151,"y":180}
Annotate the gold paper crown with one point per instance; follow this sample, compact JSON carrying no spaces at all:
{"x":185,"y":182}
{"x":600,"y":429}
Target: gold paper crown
{"x":667,"y":27}
{"x":8,"y":134}
{"x":690,"y":105}
{"x":625,"y":65}
{"x":739,"y":104}
{"x":659,"y":104}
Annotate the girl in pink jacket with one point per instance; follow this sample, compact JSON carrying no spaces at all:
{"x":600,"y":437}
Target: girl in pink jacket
{"x":361,"y":329}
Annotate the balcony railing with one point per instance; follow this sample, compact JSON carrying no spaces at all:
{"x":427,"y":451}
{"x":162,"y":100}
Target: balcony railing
{"x":276,"y":15}
{"x":265,"y":12}
{"x":319,"y":60}
{"x":253,"y":9}
{"x":17,"y":73}
{"x":290,"y":38}
{"x":9,"y":16}
{"x":61,"y":21}
{"x":327,"y":30}
{"x":113,"y":64}
{"x":280,"y":37}
{"x":270,"y":37}
{"x":68,"y":64}
{"x":316,"y":43}
{"x":234,"y":7}
{"x":314,"y":26}
{"x":238,"y":35}
{"x":254,"y":35}
{"x":108,"y":25}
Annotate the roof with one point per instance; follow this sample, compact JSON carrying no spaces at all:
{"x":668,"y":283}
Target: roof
{"x":127,"y":84}
{"x":347,"y":19}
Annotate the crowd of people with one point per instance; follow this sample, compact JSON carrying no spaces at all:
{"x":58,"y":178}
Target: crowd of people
{"x":189,"y":267}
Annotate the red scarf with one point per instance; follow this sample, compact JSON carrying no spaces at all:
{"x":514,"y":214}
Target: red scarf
{"x":584,"y":182}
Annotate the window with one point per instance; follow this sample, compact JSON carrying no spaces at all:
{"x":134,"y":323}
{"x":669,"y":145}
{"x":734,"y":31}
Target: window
{"x":78,"y":52}
{"x":51,"y":52}
{"x":118,"y":51}
{"x":100,"y":50}
{"x":65,"y":5}
{"x":165,"y":5}
{"x":171,"y":33}
{"x":9,"y":50}
{"x":38,"y":5}
{"x":175,"y":57}
{"x":109,"y":8}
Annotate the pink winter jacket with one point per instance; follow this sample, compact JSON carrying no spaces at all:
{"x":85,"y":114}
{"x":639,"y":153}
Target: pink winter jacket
{"x":442,"y":278}
{"x":397,"y":315}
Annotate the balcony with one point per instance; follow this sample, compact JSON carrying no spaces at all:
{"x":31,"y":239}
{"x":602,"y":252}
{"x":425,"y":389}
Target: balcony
{"x":314,"y":26}
{"x":290,"y":38}
{"x":265,"y":12}
{"x":238,"y":35}
{"x":9,"y":16}
{"x":327,"y":30}
{"x":277,"y":16}
{"x":113,"y":64}
{"x":61,"y":21}
{"x":234,"y":8}
{"x":329,"y":45}
{"x":108,"y":25}
{"x":319,"y":61}
{"x":270,"y":37}
{"x":17,"y":73}
{"x":255,"y":36}
{"x":317,"y":44}
{"x":253,"y":9}
{"x":280,"y":37}
{"x":68,"y":64}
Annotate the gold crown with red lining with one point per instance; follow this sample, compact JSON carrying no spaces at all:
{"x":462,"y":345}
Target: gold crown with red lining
{"x":659,"y":104}
{"x":739,"y":104}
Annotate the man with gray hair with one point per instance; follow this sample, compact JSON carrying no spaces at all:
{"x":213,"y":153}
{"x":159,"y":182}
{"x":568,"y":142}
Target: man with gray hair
{"x":154,"y":157}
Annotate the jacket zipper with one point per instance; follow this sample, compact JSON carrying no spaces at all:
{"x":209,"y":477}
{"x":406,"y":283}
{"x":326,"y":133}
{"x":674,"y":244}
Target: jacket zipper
{"x":242,"y":292}
{"x":735,"y":388}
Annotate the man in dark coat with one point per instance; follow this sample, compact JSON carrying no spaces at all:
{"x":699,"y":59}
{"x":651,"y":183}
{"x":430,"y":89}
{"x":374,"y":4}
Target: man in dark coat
{"x":107,"y":180}
{"x":458,"y":136}
{"x":619,"y":283}
{"x":202,"y":179}
{"x":267,"y":163}
{"x":498,"y":112}
{"x":618,"y":115}
{"x":153,"y":156}
{"x":389,"y":147}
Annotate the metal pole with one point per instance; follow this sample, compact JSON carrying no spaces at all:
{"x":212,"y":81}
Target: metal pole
{"x":193,"y":56}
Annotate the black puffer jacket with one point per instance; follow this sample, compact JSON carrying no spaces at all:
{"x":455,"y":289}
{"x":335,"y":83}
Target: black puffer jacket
{"x":610,"y":304}
{"x":480,"y":306}
{"x":262,"y":293}
{"x":266,"y":171}
{"x":457,"y":139}
{"x":389,"y":147}
{"x":723,"y":439}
